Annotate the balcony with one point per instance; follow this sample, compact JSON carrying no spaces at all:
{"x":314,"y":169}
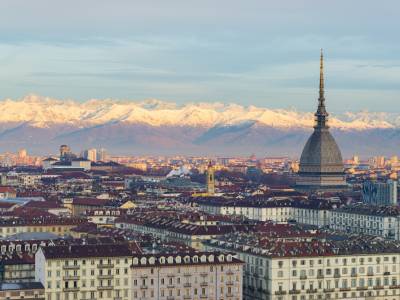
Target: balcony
{"x":170,"y":298}
{"x":311,"y":291}
{"x":386,"y":273}
{"x":328,"y":290}
{"x":362,"y":288}
{"x":378,"y":287}
{"x":187,"y":297}
{"x":71,"y":289}
{"x":280,"y":293}
{"x":230,"y":272}
{"x":70,"y":267}
{"x":204,"y":283}
{"x":302,"y":277}
{"x":336,"y":275}
{"x":230,"y":282}
{"x":105,"y":287}
{"x":170,"y":286}
{"x":71,"y":277}
{"x":370,"y":274}
{"x":102,"y":266}
{"x":353,"y":275}
{"x":187,"y":284}
{"x":105,"y":276}
{"x":294,"y":292}
{"x":345,"y":289}
{"x":143,"y":287}
{"x":320,"y":276}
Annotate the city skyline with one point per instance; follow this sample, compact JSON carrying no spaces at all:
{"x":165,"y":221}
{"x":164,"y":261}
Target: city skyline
{"x":259,"y":53}
{"x":190,"y":150}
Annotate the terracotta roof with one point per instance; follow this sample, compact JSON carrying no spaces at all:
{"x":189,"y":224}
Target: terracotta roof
{"x":84,"y":251}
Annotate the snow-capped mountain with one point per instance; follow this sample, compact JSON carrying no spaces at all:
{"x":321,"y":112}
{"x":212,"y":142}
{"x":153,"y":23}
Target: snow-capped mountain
{"x":42,"y":111}
{"x":156,"y":127}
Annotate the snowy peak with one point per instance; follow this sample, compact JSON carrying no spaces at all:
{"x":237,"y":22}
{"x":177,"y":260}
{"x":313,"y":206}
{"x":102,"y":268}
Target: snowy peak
{"x":43,"y":112}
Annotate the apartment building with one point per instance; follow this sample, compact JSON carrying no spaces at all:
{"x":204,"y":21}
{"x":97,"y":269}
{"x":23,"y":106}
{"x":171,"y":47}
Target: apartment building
{"x":121,"y":271}
{"x":289,"y":268}
{"x":381,"y":221}
{"x":57,"y":225}
{"x":278,"y":209}
{"x":85,"y":271}
{"x":194,"y":276}
{"x":22,"y":291}
{"x":173,"y":230}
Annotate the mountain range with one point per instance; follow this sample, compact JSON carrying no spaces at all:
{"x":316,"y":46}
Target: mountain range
{"x":41,"y":124}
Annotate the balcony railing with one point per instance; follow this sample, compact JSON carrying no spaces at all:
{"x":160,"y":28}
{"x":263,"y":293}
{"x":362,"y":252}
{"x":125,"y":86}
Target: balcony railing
{"x":280,"y":293}
{"x":105,"y":287}
{"x":105,"y":266}
{"x":71,"y":277}
{"x":105,"y":276}
{"x":70,"y":267}
{"x":71,"y":289}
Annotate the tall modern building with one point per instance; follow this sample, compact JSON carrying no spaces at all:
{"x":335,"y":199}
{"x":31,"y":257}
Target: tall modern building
{"x":90,"y":154}
{"x":321,"y":163}
{"x":380,"y":193}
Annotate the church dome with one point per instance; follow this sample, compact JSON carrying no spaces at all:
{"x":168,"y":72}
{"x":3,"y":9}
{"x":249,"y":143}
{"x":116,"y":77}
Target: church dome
{"x":321,"y":154}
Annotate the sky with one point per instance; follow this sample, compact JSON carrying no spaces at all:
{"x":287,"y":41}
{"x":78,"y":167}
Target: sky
{"x":250,"y":52}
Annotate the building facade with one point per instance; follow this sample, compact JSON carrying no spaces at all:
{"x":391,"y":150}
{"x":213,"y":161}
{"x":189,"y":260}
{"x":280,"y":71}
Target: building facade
{"x":84,"y":271}
{"x":192,"y":276}
{"x":303,"y":270}
{"x":380,"y":193}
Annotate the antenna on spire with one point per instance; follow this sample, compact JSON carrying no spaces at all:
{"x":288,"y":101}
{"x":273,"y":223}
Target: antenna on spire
{"x":321,"y":75}
{"x":321,"y":114}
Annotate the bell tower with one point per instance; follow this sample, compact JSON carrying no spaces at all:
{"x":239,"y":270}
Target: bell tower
{"x":210,"y":179}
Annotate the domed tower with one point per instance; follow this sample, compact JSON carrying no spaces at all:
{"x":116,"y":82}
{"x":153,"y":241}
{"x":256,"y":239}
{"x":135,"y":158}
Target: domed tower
{"x":321,"y":163}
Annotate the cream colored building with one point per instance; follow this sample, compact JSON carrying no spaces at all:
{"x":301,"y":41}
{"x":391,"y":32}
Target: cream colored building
{"x":84,"y":271}
{"x":114,"y":272}
{"x":56,"y":225}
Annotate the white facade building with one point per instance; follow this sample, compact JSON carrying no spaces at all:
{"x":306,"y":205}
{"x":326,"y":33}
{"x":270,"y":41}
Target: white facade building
{"x":304,"y":270}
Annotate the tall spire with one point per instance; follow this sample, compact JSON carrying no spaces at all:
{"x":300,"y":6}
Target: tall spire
{"x":321,"y":114}
{"x":321,"y":76}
